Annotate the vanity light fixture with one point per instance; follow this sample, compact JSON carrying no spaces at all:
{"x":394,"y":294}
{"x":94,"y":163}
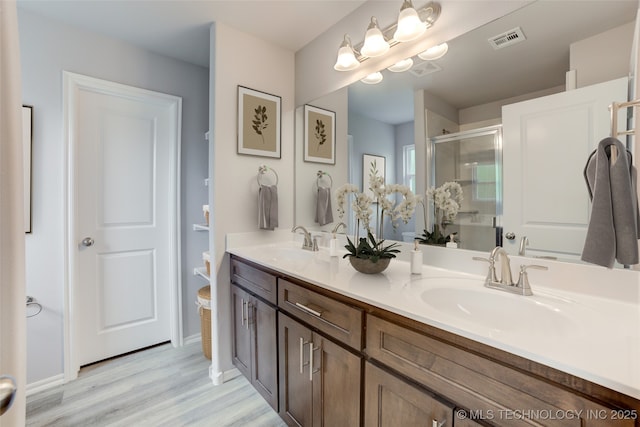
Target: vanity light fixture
{"x":374,"y":42}
{"x":410,"y":26}
{"x":373,"y":78}
{"x":435,"y":52}
{"x":347,"y":60}
{"x":401,"y":66}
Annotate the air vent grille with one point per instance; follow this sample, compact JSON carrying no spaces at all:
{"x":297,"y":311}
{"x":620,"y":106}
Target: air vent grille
{"x":507,"y":38}
{"x":424,"y":68}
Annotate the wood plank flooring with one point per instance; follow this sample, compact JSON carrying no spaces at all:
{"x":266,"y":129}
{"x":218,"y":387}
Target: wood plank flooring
{"x":160,"y":386}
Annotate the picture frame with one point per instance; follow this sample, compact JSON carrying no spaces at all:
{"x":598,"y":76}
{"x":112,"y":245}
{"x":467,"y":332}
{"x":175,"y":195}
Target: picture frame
{"x":27,"y":146}
{"x":259,"y":123}
{"x":319,"y":135}
{"x":367,"y":161}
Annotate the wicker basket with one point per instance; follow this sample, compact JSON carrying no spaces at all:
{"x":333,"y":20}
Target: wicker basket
{"x":204,"y":308}
{"x":205,"y":212}
{"x":206,"y":258}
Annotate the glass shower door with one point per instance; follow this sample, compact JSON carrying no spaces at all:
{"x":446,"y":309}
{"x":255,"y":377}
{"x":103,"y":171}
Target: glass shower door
{"x":472,"y":159}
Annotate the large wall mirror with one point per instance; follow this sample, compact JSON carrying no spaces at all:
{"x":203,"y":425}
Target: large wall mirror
{"x":466,"y":89}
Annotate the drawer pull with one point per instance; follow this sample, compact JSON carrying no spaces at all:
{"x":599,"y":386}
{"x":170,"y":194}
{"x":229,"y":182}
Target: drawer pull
{"x":302,"y":364}
{"x":308,"y":310}
{"x":243,"y":319}
{"x":311,"y":370}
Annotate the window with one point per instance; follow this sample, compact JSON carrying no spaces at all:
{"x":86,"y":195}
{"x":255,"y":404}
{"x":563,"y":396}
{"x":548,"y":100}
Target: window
{"x":484,"y":178}
{"x":409,"y":166}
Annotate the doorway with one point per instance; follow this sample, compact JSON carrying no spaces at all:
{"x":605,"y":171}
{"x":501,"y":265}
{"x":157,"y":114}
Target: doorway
{"x":122,"y":288}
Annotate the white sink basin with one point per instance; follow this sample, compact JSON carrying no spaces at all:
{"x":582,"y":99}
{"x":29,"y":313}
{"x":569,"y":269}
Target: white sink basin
{"x":498,"y":312}
{"x":290,"y":254}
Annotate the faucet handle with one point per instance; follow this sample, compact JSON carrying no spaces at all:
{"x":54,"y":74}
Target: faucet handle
{"x":523,"y":279}
{"x":491,"y":276}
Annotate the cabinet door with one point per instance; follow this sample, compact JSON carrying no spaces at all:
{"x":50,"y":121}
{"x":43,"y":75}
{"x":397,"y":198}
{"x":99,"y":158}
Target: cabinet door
{"x":241,"y":351}
{"x":264,"y":344}
{"x":390,"y":401}
{"x":336,"y":384}
{"x":295,"y":385}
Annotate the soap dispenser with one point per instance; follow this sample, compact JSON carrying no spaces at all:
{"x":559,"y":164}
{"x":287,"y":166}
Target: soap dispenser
{"x":333,"y":246}
{"x":416,"y":259}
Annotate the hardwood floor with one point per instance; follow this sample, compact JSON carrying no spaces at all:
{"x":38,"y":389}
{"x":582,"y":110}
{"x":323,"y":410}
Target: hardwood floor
{"x":160,"y":386}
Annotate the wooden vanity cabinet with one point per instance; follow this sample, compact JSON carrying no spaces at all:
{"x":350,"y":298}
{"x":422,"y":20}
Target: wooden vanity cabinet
{"x":390,"y":401}
{"x":322,"y":358}
{"x":490,"y":391}
{"x":254,"y":332}
{"x":319,"y":379}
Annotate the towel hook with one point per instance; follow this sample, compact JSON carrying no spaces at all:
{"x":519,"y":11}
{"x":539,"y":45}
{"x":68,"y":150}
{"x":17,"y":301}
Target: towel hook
{"x":320,"y":175}
{"x":262,"y":169}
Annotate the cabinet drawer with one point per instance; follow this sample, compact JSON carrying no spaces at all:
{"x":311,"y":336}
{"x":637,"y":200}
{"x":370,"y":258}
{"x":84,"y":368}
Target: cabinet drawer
{"x":391,"y":402}
{"x":340,"y":321}
{"x":254,"y":280}
{"x":494,"y":392}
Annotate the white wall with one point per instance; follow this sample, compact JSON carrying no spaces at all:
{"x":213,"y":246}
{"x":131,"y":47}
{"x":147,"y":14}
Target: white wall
{"x":47,"y":48}
{"x":241,"y":59}
{"x":603,"y":57}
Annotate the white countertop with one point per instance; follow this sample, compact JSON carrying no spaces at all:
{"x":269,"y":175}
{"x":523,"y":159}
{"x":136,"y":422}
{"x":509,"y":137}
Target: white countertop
{"x":594,"y":338}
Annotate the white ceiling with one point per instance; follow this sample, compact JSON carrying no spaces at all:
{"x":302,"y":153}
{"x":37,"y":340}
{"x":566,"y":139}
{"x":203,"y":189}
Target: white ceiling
{"x":180,"y":28}
{"x":472,"y":72}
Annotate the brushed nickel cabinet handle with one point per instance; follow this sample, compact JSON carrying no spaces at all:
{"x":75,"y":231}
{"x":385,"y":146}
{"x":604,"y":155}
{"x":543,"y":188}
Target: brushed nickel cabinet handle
{"x":308,"y":310}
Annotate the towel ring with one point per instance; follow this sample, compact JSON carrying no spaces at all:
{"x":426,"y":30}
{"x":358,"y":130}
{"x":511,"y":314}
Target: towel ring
{"x":320,"y":175}
{"x":264,"y":169}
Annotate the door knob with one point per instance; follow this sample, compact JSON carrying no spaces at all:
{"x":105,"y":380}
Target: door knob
{"x":510,"y":235}
{"x":87,"y":241}
{"x":7,"y":392}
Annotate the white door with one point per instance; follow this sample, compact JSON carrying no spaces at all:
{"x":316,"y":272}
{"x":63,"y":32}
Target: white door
{"x":123,"y":148}
{"x":546,"y":144}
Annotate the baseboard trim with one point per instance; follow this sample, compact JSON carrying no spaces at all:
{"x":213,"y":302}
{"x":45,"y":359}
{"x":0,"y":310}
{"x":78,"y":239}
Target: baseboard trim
{"x":192,"y":339}
{"x":221,"y":377}
{"x":44,"y":384}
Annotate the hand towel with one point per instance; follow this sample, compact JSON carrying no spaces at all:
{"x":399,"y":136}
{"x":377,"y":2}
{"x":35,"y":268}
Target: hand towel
{"x":324,"y":213}
{"x":267,"y":207}
{"x":612,"y":233}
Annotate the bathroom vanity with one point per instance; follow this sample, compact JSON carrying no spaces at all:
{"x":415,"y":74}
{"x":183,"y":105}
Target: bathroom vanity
{"x":330,"y":346}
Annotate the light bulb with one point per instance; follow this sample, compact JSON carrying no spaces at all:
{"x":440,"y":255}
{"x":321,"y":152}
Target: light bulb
{"x":410,"y":27}
{"x":401,"y":66}
{"x":347,"y":60}
{"x":435,"y":52}
{"x":374,"y":42}
{"x":373,"y":78}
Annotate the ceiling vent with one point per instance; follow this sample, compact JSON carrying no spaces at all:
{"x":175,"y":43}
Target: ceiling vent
{"x":424,"y":68}
{"x":508,"y":38}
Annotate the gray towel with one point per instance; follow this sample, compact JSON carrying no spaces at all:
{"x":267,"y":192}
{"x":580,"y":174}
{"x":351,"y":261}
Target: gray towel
{"x":324,"y":213}
{"x":613,"y":227}
{"x":268,"y":207}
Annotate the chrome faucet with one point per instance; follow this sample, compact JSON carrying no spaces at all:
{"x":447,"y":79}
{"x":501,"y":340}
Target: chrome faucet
{"x":505,"y":282}
{"x":505,"y":264}
{"x":340,"y":224}
{"x":309,"y":244}
{"x":524,"y":241}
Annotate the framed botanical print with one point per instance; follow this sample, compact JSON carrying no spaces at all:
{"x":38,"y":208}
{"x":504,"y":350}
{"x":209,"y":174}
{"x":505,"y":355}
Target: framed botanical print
{"x":259,"y":123}
{"x":319,"y":135}
{"x":370,"y":161}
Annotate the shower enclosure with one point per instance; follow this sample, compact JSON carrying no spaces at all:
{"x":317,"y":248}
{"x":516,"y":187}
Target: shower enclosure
{"x":472,"y":159}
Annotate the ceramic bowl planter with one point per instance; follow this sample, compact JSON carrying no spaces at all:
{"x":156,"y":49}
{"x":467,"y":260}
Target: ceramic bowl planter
{"x":364,"y":265}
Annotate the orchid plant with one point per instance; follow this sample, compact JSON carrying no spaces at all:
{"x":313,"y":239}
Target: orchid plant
{"x":447,"y":200}
{"x":373,"y":246}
